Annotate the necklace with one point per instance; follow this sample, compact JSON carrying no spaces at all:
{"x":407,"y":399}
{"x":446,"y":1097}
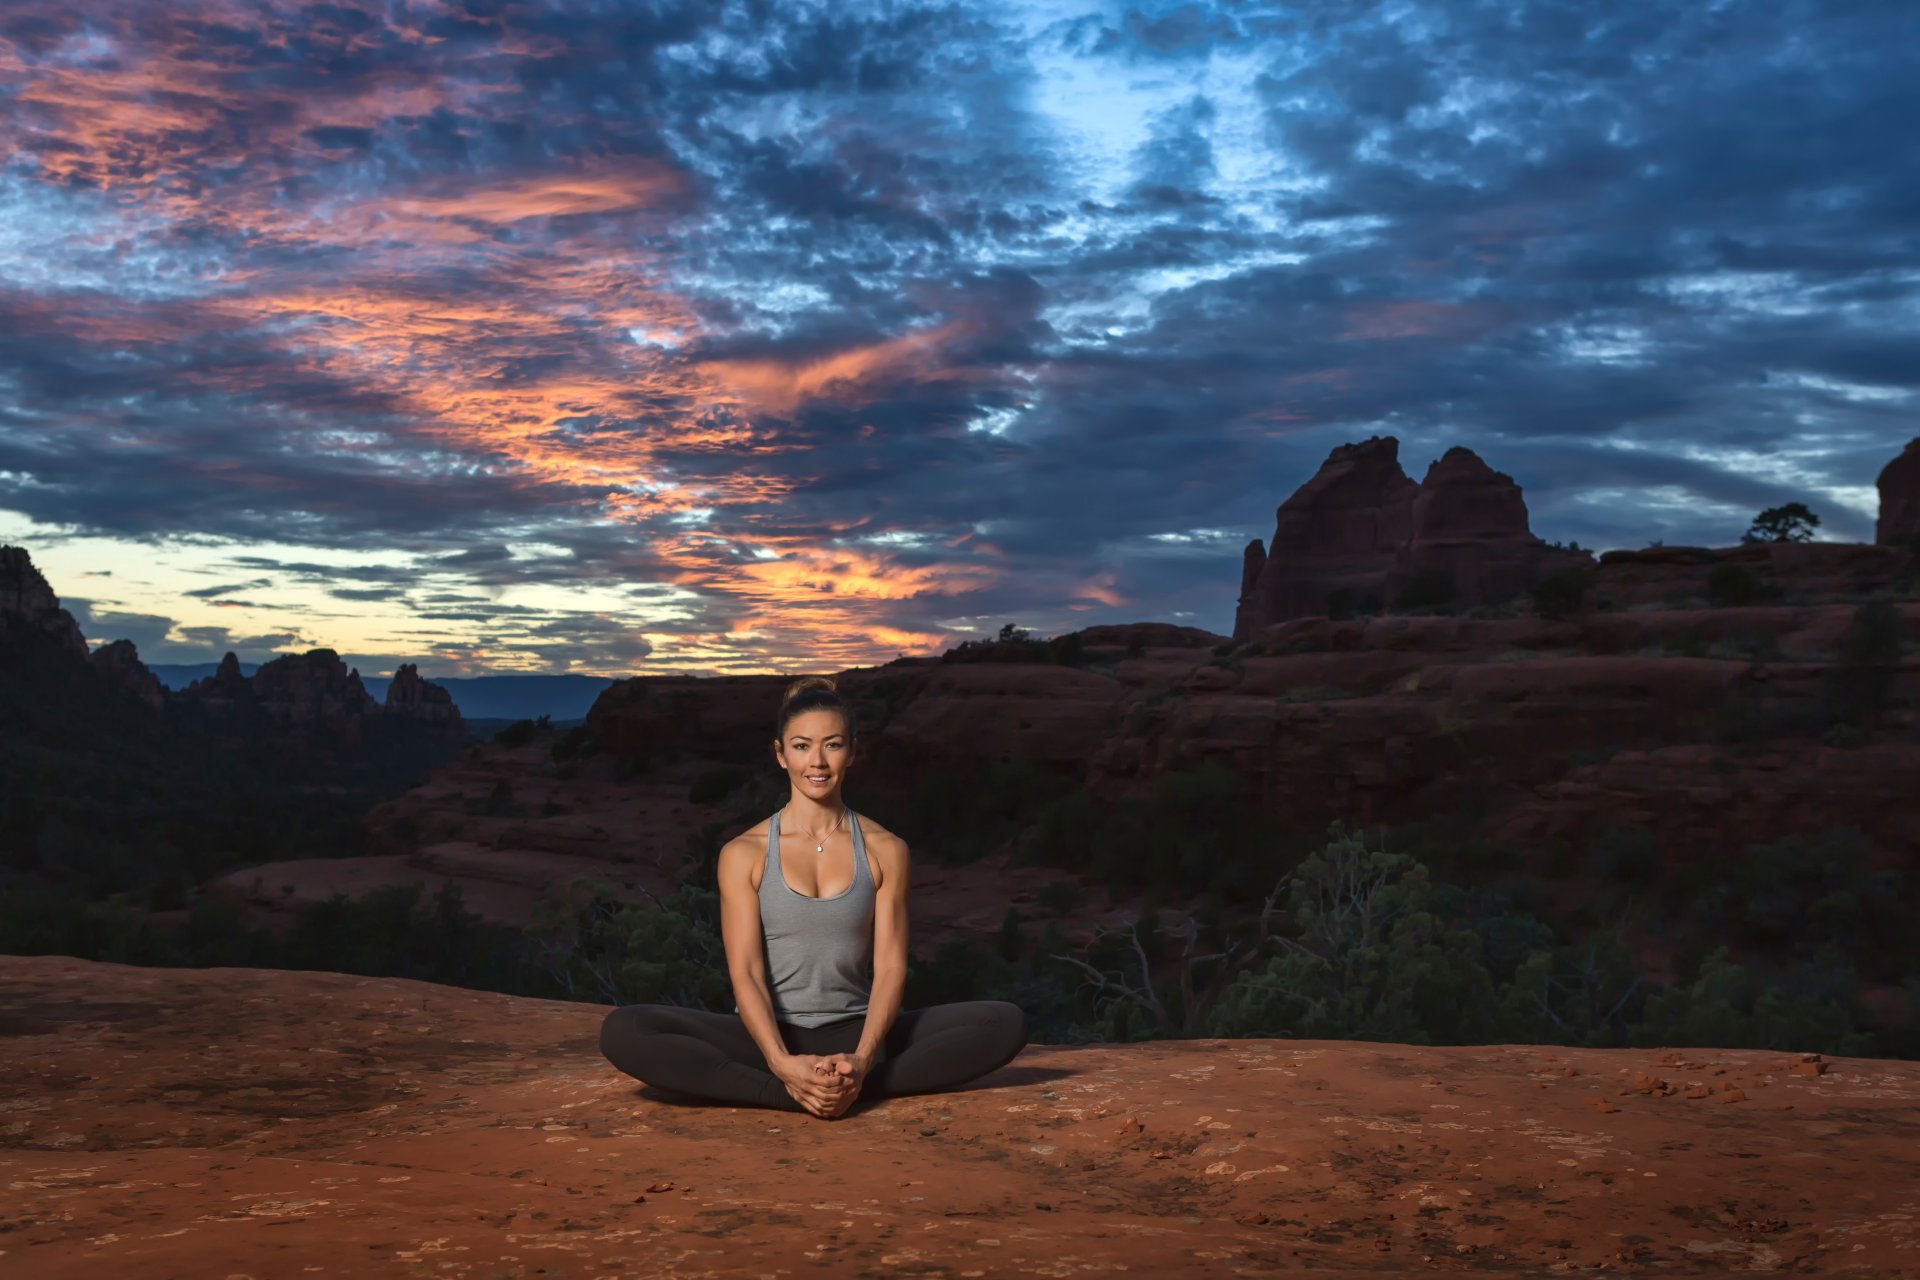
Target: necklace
{"x":821,"y":846}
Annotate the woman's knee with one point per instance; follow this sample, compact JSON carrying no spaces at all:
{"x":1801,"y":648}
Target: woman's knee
{"x":625,"y":1030}
{"x":1011,"y":1022}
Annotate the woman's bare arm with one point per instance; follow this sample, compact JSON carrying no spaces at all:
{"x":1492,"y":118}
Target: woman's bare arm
{"x":745,"y":945}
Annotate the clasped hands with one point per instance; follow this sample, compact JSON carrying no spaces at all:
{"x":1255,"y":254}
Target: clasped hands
{"x":824,"y":1084}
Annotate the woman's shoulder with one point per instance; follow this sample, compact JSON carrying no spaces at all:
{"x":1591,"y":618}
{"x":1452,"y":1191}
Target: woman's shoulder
{"x":752,"y":840}
{"x":875,"y":833}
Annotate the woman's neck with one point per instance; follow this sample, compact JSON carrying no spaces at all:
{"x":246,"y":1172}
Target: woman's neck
{"x":815,"y":814}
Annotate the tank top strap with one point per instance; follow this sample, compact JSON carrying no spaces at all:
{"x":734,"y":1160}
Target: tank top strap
{"x":773,"y":847}
{"x":860,"y":871}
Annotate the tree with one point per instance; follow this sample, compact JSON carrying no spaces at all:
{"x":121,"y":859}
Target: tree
{"x":1364,"y":957}
{"x":1790,"y":523}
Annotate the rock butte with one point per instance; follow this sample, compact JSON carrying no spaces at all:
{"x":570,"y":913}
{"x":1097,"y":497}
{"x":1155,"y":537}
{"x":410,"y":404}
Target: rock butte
{"x":163,"y":1123}
{"x":1899,"y":485}
{"x":1362,"y":529}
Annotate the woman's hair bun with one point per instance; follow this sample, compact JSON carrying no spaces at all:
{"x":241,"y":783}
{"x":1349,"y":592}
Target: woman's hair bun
{"x":805,"y":683}
{"x":813,"y":693}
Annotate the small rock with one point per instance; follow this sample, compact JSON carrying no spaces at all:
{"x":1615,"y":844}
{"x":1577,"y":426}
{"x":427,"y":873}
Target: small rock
{"x":1733,"y":1095}
{"x":1251,"y":1218}
{"x":661,"y":1186}
{"x":1043,"y":1205}
{"x":1810,"y":1067}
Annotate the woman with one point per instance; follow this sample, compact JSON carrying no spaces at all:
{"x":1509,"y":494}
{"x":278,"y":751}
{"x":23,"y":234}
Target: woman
{"x":806,"y":898}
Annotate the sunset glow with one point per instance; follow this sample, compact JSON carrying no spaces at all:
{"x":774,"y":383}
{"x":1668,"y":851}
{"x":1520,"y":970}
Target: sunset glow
{"x":709,"y":338}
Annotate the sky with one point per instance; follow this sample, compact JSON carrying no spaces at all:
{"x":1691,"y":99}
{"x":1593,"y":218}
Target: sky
{"x":725,"y":337}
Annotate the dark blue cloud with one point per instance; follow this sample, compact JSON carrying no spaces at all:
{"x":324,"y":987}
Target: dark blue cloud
{"x":966,"y":307}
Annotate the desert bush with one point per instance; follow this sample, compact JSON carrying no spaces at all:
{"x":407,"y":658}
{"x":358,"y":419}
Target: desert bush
{"x":576,"y":741}
{"x":656,"y":950}
{"x":1562,"y":593}
{"x":1588,"y":993}
{"x":1362,"y":957}
{"x":1813,"y":1006}
{"x":1860,"y":682}
{"x":1732,"y":585}
{"x":517,"y":734}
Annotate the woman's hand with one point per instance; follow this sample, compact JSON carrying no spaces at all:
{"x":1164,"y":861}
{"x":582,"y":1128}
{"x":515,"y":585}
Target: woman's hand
{"x":852,"y":1069}
{"x":816,"y":1083}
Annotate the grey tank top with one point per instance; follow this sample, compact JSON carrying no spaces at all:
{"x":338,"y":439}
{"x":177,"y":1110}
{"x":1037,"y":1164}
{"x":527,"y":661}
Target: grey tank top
{"x":817,"y":949}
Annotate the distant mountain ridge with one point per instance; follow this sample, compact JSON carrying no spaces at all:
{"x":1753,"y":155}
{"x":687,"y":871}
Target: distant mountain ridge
{"x":502,"y":697}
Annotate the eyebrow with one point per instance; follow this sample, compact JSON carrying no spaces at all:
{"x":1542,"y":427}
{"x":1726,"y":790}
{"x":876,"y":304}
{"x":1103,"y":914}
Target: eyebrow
{"x":801,"y":737}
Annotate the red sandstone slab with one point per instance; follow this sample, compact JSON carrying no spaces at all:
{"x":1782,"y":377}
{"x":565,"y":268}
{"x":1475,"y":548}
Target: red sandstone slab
{"x":233,"y":1122}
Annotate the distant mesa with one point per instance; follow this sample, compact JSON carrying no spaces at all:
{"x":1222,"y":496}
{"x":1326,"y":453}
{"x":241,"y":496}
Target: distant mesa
{"x":311,"y":698}
{"x":1361,"y":535}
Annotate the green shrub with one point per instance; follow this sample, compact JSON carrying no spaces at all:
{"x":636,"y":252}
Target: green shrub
{"x":1732,"y":585}
{"x":1563,"y":592}
{"x":1813,"y":1007}
{"x":658,"y":951}
{"x":517,"y":734}
{"x":1365,"y":958}
{"x":1861,"y":680}
{"x":577,"y":741}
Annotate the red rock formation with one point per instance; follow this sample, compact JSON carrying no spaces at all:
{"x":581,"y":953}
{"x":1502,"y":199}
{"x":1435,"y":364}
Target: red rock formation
{"x":119,"y":665}
{"x":26,"y":600}
{"x":1470,"y":524}
{"x":230,"y":1121}
{"x":1899,"y":524}
{"x":1338,"y":532}
{"x":1362,"y":533}
{"x":312,"y":700}
{"x":1253,"y":562}
{"x":424,"y":703}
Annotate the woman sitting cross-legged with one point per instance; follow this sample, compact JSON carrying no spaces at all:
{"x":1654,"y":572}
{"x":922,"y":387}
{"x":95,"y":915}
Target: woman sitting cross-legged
{"x":806,"y":898}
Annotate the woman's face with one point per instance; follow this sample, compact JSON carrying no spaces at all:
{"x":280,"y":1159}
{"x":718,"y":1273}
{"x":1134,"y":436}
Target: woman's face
{"x":815,"y":752}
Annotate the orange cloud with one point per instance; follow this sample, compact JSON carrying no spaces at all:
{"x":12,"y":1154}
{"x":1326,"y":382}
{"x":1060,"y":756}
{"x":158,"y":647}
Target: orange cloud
{"x":845,"y":375}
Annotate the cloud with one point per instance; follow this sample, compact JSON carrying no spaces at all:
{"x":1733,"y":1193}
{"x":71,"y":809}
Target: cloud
{"x":851,"y":327}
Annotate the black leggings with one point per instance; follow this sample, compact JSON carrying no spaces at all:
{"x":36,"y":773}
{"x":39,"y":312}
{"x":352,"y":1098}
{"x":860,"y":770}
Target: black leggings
{"x":710,"y":1055}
